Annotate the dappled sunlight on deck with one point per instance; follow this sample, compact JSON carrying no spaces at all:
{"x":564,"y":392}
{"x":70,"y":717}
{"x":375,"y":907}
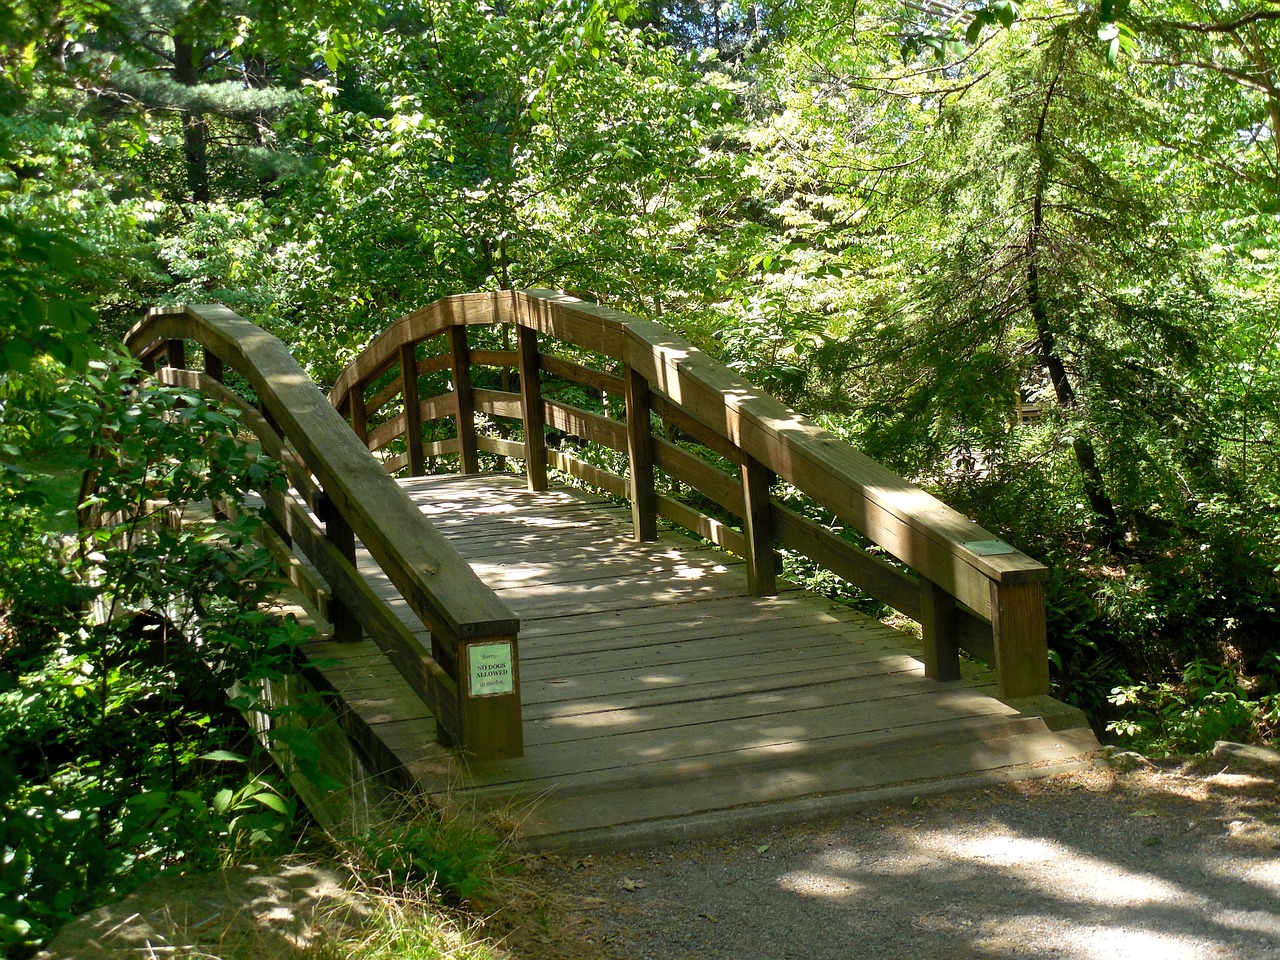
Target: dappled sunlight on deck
{"x":654,"y":686}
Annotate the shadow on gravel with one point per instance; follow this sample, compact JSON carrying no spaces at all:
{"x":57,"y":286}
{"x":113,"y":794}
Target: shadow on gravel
{"x":1150,"y":865}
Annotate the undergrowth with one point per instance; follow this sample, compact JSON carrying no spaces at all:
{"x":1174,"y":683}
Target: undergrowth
{"x":120,"y":754}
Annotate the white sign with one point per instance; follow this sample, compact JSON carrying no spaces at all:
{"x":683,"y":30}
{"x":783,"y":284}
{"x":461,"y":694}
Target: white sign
{"x":490,"y":673}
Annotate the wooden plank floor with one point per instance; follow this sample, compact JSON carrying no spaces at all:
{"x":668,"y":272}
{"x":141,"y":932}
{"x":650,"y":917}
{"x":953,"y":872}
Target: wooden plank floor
{"x":659,"y":697}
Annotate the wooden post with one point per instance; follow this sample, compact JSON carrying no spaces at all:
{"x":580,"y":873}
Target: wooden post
{"x":939,"y":625}
{"x":213,"y":366}
{"x":359,"y":413}
{"x":177,"y":354}
{"x":535,"y":414}
{"x":345,"y":625}
{"x":489,"y":698}
{"x":412,"y":408}
{"x":1020,"y":638}
{"x":460,"y":357}
{"x":644,"y":498}
{"x":757,"y":526}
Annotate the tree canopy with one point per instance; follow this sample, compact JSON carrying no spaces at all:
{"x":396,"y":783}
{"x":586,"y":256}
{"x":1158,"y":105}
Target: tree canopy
{"x":1025,"y":253}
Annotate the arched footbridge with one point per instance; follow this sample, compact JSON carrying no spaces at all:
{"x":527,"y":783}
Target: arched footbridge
{"x":604,"y":634}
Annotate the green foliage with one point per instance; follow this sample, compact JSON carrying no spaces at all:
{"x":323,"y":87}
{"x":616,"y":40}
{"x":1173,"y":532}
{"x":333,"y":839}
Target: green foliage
{"x":114,"y":660}
{"x":452,"y":855}
{"x":1209,"y":704}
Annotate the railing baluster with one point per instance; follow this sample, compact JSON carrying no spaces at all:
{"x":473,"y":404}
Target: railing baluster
{"x":535,"y":414}
{"x":460,"y":356}
{"x":176,"y":353}
{"x":939,"y":625}
{"x":644,"y":498}
{"x":412,"y":408}
{"x":346,"y":627}
{"x":757,"y":525}
{"x":359,"y":414}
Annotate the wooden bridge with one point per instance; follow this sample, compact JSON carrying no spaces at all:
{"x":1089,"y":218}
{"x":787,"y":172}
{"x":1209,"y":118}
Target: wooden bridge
{"x":508,"y":639}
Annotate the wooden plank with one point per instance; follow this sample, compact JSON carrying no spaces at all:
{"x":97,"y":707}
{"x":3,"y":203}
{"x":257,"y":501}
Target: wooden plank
{"x":373,"y":406}
{"x":432,"y":320}
{"x":495,"y":358}
{"x":709,"y":528}
{"x":624,"y":740}
{"x":620,"y":627}
{"x":682,"y":420}
{"x":498,"y":403}
{"x":707,"y":479}
{"x":503,"y":448}
{"x":610,"y":665}
{"x":719,"y":683}
{"x":583,"y":376}
{"x":696,"y":787}
{"x":869,"y":573}
{"x":587,"y":425}
{"x":611,"y":483}
{"x":563,"y":318}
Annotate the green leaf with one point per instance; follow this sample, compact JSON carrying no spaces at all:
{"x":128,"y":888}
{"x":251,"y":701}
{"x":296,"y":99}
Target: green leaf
{"x":227,"y":755}
{"x":271,"y":801}
{"x":1006,"y":11}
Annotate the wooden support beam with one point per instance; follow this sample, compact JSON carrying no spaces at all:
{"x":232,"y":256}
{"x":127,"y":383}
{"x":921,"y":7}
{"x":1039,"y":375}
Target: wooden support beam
{"x":757,"y":526}
{"x":644,"y":499}
{"x":460,"y":357}
{"x":1019,"y":635}
{"x":213,"y":366}
{"x":489,"y":697}
{"x":939,"y":626}
{"x":532,"y":410}
{"x":346,"y":626}
{"x":412,"y":408}
{"x":176,"y":354}
{"x":359,"y":413}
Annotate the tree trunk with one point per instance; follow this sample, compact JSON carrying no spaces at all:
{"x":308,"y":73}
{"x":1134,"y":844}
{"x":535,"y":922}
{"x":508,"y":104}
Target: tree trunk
{"x":195,"y":130}
{"x":1095,"y":489}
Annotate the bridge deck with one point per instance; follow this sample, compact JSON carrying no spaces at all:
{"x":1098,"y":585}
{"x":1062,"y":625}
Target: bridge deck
{"x":660,"y":697}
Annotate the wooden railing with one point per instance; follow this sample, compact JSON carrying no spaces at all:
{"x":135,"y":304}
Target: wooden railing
{"x":340,"y":492}
{"x":725,"y":438}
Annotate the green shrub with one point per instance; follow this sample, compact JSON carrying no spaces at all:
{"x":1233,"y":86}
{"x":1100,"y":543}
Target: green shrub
{"x":119,"y":754}
{"x":1210,"y":703}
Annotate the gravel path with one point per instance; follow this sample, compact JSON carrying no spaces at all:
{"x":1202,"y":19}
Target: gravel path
{"x":1152,"y":864}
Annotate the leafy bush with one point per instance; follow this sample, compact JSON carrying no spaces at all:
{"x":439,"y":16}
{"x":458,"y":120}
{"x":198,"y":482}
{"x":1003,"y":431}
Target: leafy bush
{"x":1209,"y":704}
{"x":119,"y":754}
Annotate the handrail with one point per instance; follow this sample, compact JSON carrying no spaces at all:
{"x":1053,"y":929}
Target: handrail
{"x":968,"y":589}
{"x":335,"y":475}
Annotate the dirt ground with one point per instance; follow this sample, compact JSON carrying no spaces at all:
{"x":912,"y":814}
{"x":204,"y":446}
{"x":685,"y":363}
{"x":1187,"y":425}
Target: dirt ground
{"x":1174,"y":862}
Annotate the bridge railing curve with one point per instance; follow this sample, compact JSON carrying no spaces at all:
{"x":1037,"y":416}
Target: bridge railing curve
{"x":340,"y":492}
{"x":672,"y":410}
